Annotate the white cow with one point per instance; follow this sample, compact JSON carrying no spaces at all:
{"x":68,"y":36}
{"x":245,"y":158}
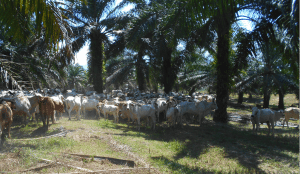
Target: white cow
{"x":89,"y":105}
{"x":291,"y":112}
{"x":141,"y":111}
{"x":199,"y":109}
{"x":161,"y":104}
{"x":172,"y":115}
{"x":115,"y":92}
{"x":73,"y":103}
{"x":262,"y":116}
{"x":109,"y":109}
{"x":25,"y":106}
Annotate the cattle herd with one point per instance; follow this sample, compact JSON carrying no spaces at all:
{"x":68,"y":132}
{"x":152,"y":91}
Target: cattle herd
{"x":174,"y":108}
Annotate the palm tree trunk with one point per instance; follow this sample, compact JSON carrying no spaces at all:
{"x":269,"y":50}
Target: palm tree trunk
{"x":240,"y":99}
{"x":250,"y":95}
{"x":281,"y":102}
{"x":168,"y":76}
{"x":192,"y":91}
{"x":96,"y":60}
{"x":10,"y":85}
{"x":140,"y":72}
{"x":266,"y":93}
{"x":223,"y":70}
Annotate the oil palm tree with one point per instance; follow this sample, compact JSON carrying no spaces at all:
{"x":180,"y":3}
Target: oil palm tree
{"x":270,"y":70}
{"x":93,"y":26}
{"x":49,"y":19}
{"x":29,"y":63}
{"x":146,"y":36}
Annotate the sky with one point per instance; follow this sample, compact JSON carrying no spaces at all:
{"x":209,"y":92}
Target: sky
{"x":81,"y":56}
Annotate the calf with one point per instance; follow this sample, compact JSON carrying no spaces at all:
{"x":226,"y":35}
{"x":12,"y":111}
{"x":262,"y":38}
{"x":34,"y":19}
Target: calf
{"x":109,"y":109}
{"x":291,"y":112}
{"x":6,"y":118}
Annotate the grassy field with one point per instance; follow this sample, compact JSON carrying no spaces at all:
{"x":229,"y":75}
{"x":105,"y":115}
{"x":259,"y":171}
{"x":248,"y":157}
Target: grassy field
{"x":209,"y":148}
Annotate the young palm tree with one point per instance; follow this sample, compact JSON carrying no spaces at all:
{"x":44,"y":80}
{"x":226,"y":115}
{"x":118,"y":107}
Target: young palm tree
{"x":76,"y":76}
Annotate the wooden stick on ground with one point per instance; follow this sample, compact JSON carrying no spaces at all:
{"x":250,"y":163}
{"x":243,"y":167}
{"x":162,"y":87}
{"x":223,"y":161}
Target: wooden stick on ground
{"x":75,"y":167}
{"x":122,"y":169}
{"x":37,"y":168}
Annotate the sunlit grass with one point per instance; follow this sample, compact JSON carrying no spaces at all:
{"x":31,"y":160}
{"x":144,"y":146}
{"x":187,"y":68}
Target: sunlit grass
{"x":289,"y":99}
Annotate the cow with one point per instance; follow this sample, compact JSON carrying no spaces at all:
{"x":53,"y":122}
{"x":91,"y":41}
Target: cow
{"x":73,"y":103}
{"x":109,"y":109}
{"x":25,"y":105}
{"x":47,"y":107}
{"x":291,"y":112}
{"x":58,"y":101}
{"x":6,"y":118}
{"x":199,"y":109}
{"x":161,"y":107}
{"x":139,"y":111}
{"x":172,"y":115}
{"x":89,"y":105}
{"x":262,"y":116}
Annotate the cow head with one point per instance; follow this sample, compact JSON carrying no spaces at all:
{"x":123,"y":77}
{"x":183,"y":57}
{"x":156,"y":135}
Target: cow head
{"x":254,"y":111}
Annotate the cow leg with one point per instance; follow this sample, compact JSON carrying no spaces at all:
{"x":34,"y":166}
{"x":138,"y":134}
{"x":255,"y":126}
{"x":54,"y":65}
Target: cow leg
{"x":153,"y":122}
{"x":69,"y":112}
{"x":283,"y":122}
{"x":32,"y":116}
{"x":44,"y":120}
{"x":272,"y":124}
{"x":47,"y":122}
{"x":98,"y":113}
{"x":53,"y":118}
{"x":268,"y":123}
{"x":139,"y":123}
{"x":78,"y":114}
{"x":8,"y":129}
{"x":2,"y":134}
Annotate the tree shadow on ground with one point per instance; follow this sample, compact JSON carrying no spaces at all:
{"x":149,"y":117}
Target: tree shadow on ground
{"x":237,"y":143}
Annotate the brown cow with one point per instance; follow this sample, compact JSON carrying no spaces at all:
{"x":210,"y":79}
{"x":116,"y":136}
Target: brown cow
{"x":291,"y":112}
{"x":47,"y":108}
{"x":6,"y":117}
{"x":59,"y":107}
